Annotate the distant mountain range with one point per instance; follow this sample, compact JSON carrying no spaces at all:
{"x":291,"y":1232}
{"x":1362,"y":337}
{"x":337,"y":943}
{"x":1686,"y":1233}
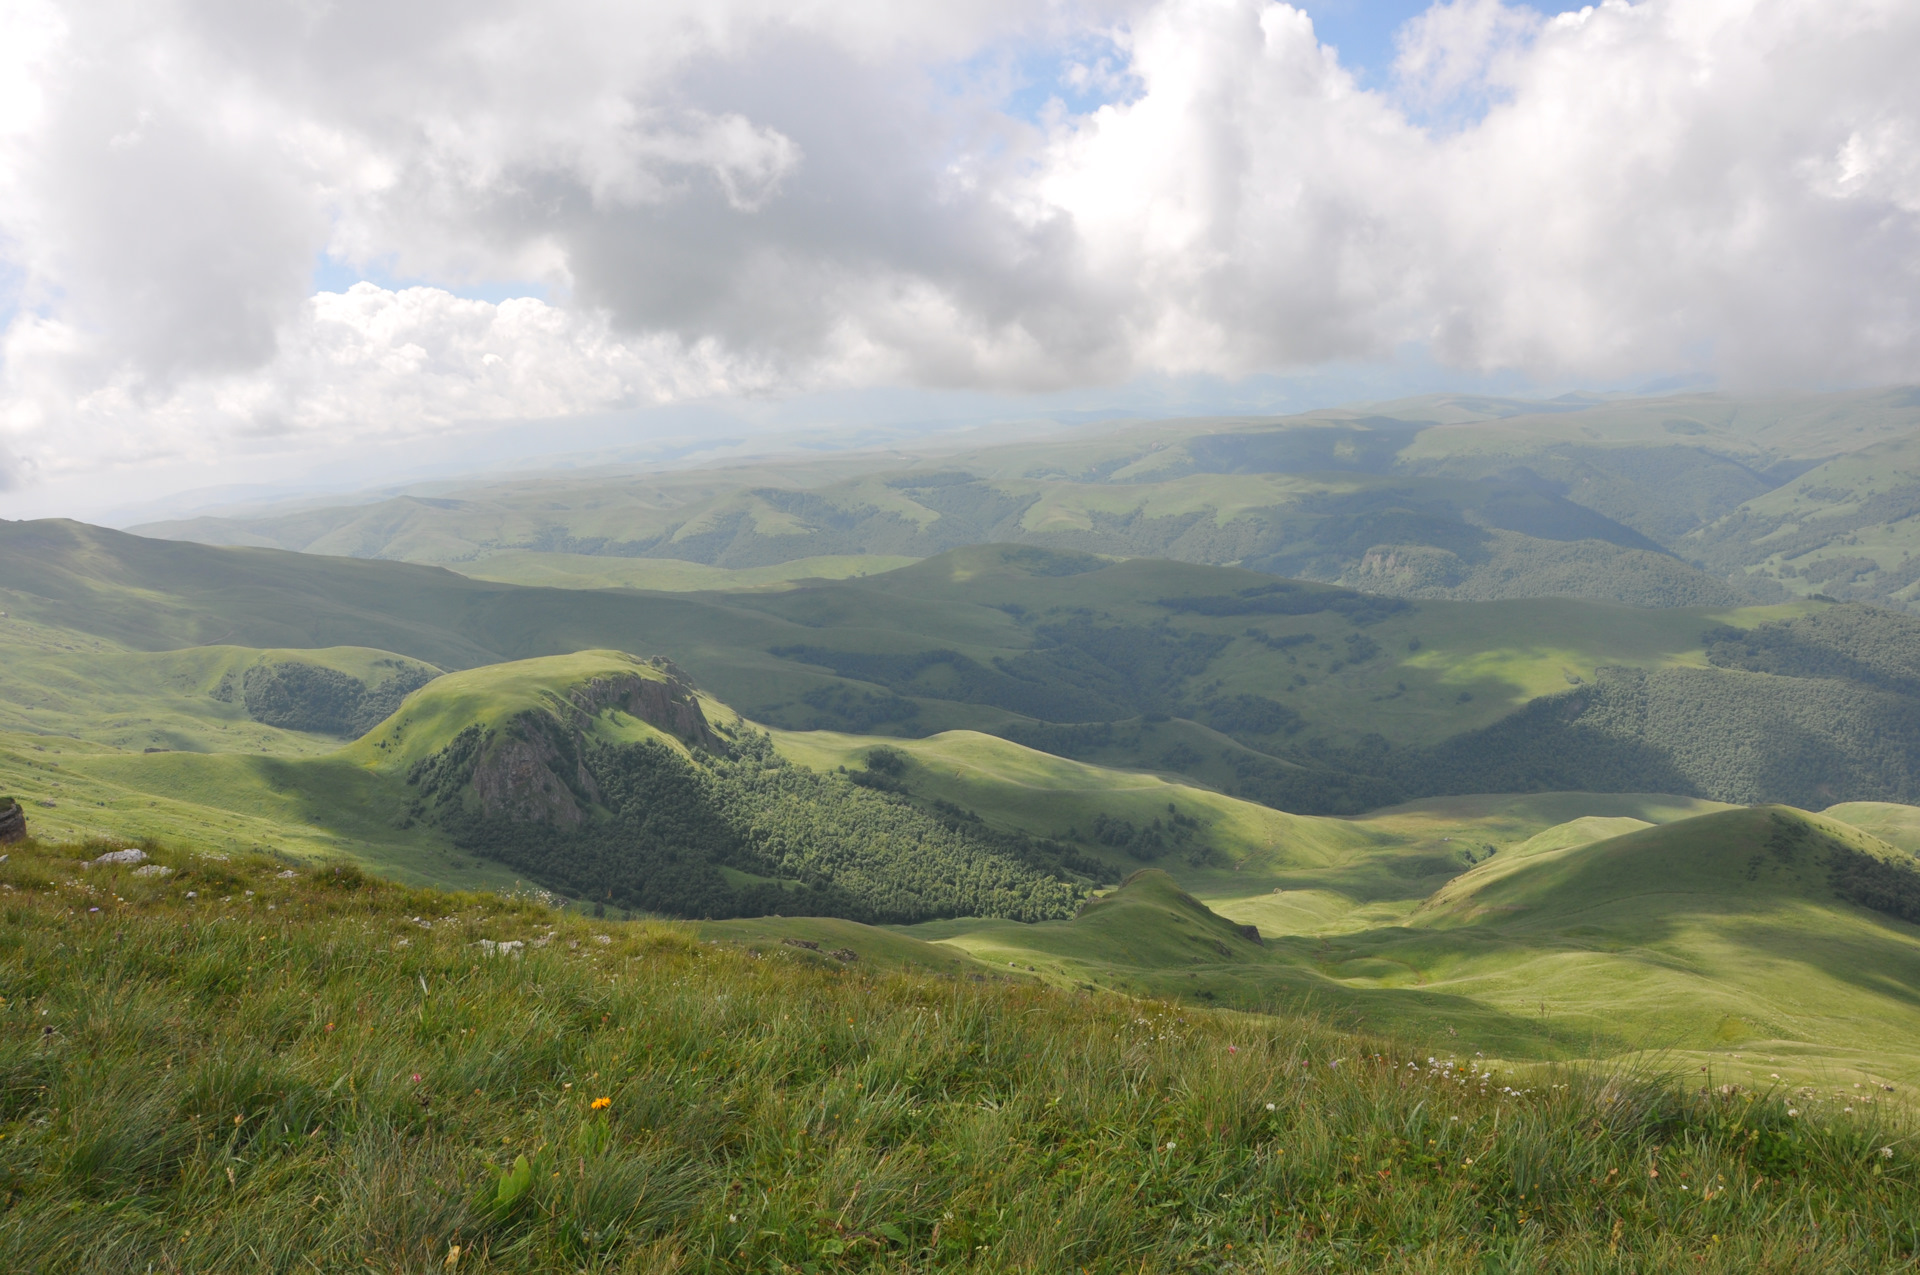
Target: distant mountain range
{"x":1689,"y":500}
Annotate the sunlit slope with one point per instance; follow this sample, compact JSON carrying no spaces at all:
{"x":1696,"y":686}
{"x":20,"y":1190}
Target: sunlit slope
{"x":1895,"y":824}
{"x":352,"y":801}
{"x":196,"y":699}
{"x":1286,"y":873}
{"x":1843,"y":529}
{"x":1721,"y":931}
{"x":1149,"y":923}
{"x":1152,"y":938}
{"x":1729,"y":862}
{"x":305,"y":808}
{"x":1020,"y":787}
{"x":1732,"y":935}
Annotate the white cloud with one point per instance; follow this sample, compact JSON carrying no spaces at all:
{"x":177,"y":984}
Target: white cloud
{"x":370,"y":364}
{"x":738,"y":197}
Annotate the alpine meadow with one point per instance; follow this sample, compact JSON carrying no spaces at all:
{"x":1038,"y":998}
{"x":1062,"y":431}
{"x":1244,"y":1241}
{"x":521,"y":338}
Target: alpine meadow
{"x":1243,"y":637}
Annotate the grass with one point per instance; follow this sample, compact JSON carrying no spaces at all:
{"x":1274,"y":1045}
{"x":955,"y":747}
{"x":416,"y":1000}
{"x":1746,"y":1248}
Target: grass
{"x":312,"y":1070}
{"x":60,"y":682}
{"x":1570,"y":944}
{"x":486,"y":697}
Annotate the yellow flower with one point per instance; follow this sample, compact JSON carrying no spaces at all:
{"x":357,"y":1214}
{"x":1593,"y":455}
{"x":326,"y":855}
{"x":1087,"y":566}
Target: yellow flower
{"x":599,"y":1103}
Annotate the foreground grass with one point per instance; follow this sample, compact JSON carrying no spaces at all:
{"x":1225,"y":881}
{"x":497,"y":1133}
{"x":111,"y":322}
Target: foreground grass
{"x":311,"y":1071}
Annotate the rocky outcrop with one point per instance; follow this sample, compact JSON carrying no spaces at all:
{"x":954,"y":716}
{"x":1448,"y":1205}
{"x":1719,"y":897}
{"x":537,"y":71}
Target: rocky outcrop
{"x":13,"y":821}
{"x":669,"y":705}
{"x":537,"y":774}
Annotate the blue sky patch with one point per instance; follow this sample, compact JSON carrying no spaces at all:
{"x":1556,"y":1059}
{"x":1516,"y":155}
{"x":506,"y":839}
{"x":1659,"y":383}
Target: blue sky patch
{"x":333,"y":275}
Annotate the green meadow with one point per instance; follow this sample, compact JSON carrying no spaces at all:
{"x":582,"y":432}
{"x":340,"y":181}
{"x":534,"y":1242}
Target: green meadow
{"x":235,"y":1064}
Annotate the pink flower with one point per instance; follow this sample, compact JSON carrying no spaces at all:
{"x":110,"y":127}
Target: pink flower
{"x":1233,"y":1049}
{"x":416,"y":1077}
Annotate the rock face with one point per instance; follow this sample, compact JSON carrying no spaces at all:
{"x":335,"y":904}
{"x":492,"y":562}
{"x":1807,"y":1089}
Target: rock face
{"x":670,"y":706}
{"x":13,"y":821}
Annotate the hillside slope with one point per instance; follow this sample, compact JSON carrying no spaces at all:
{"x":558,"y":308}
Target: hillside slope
{"x":1757,"y":940}
{"x":233,"y":1067}
{"x":1306,"y":697}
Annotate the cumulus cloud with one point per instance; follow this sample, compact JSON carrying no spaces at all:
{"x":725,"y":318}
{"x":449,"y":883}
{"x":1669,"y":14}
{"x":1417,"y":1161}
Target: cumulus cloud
{"x":736,"y":197}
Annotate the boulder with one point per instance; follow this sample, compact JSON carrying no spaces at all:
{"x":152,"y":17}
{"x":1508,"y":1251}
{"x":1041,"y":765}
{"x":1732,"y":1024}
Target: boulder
{"x":122,"y":856}
{"x":13,"y":821}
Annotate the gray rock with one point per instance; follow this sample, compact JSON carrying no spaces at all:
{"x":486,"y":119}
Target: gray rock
{"x":123,"y":856}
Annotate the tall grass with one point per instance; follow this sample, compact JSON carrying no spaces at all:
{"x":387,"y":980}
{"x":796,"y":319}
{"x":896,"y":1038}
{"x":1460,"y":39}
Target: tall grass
{"x":330,"y":1073}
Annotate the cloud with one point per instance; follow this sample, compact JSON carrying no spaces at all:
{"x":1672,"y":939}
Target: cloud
{"x":371,"y":364}
{"x":741,"y":198}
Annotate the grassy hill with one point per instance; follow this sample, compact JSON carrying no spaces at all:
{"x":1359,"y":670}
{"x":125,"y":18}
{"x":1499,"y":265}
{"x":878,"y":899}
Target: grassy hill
{"x":233,"y":1064}
{"x":1305,"y":697}
{"x":595,"y":774}
{"x":1761,"y":942}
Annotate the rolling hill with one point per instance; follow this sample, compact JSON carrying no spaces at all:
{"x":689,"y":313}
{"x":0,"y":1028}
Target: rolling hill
{"x":1674,"y":501}
{"x":1554,"y":925}
{"x":1306,"y":697}
{"x":1762,"y":941}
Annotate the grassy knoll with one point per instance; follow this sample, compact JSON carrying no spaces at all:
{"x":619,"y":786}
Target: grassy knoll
{"x":348,"y":801}
{"x":1286,"y":873}
{"x":304,"y":808}
{"x":239,"y":1065}
{"x":491,"y":696}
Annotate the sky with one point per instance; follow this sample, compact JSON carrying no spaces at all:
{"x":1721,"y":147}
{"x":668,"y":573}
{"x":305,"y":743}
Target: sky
{"x":277,"y":244}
